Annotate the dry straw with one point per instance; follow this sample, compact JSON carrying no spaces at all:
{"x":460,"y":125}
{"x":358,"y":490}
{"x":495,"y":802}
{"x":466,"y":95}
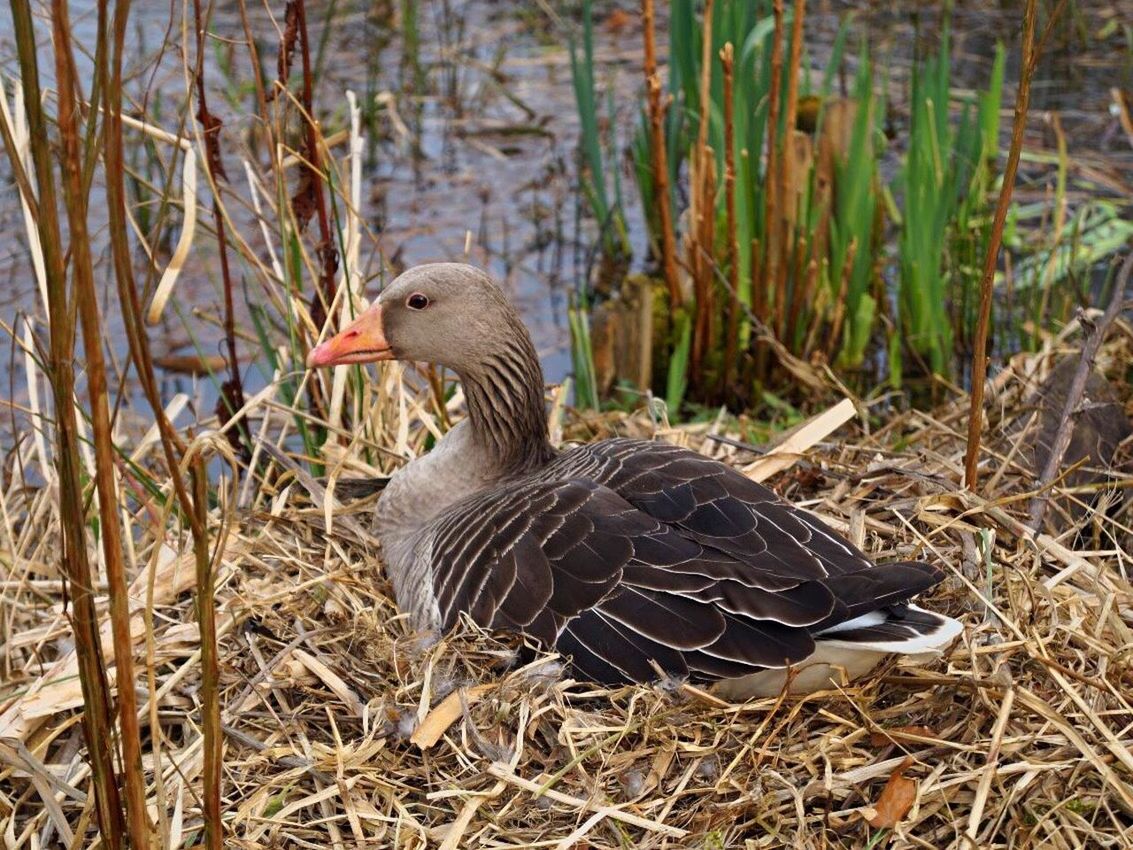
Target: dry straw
{"x":343,"y":729}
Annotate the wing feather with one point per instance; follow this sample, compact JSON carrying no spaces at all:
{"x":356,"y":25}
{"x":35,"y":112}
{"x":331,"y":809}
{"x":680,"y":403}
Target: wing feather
{"x":631,"y":556}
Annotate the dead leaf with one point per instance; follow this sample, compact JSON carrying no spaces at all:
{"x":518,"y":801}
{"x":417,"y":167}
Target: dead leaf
{"x":896,"y":798}
{"x":332,"y":680}
{"x":442,"y":716}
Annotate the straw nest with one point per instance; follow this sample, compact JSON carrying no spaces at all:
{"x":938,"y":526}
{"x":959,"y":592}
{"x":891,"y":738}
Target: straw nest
{"x":343,"y":729}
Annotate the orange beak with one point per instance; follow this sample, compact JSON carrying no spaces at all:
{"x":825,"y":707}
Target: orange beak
{"x":364,"y":341}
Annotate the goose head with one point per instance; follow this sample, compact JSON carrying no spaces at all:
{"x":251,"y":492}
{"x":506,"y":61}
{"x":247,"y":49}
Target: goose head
{"x":450,"y":314}
{"x":456,"y":316}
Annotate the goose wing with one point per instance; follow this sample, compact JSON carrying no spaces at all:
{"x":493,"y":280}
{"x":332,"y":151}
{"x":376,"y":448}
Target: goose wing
{"x":715,"y":504}
{"x":575,"y":565}
{"x":772,"y":543}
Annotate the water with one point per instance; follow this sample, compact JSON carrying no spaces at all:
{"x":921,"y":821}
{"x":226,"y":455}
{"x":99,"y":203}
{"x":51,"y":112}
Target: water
{"x":479,"y":163}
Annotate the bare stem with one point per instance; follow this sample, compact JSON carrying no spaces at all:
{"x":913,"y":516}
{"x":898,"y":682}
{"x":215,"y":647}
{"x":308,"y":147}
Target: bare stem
{"x":699,"y":255}
{"x":788,"y":201}
{"x":987,"y":282}
{"x":660,"y":156}
{"x":82,"y":271}
{"x":732,"y":343}
{"x":327,"y":252}
{"x":97,"y":724}
{"x":210,"y":673}
{"x":232,"y":391}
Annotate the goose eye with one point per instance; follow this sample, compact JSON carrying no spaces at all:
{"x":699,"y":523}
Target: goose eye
{"x":417,"y":301}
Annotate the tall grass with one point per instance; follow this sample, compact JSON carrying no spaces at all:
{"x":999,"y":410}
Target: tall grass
{"x":944,"y":183}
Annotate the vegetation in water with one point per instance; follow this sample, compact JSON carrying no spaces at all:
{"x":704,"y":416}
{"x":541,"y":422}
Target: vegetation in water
{"x":789,"y":235}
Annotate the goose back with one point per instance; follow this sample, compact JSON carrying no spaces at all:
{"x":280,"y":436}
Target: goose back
{"x":634,"y":557}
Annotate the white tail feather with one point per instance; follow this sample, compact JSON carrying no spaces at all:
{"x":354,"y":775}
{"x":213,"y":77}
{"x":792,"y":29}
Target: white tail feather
{"x":836,"y":662}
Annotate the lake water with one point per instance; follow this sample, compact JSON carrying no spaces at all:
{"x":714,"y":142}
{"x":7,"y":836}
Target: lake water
{"x":479,"y":161}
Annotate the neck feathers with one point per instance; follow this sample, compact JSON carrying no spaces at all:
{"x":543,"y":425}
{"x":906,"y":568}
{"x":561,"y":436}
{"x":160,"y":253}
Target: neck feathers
{"x":506,"y":406}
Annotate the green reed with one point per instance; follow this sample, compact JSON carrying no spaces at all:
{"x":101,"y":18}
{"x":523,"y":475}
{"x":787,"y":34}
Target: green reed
{"x":604,"y":204}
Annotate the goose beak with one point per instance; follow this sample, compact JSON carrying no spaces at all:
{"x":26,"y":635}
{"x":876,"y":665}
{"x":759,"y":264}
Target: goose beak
{"x":363,"y":341}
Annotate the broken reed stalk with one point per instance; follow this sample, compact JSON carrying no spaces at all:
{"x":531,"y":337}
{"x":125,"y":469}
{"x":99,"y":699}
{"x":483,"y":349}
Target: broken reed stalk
{"x":231,"y":399}
{"x":732,"y":342}
{"x":96,"y":719}
{"x":327,"y":251}
{"x":1095,"y":336}
{"x":788,"y":197}
{"x":767,"y":290}
{"x":1030,"y":56}
{"x":702,"y":210}
{"x":76,"y":200}
{"x":657,"y":108}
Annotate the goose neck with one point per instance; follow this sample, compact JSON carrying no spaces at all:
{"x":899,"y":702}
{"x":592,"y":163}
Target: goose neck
{"x":507,"y":409}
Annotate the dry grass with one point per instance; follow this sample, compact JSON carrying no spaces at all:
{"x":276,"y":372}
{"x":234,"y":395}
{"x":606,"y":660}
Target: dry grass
{"x":1021,"y":737}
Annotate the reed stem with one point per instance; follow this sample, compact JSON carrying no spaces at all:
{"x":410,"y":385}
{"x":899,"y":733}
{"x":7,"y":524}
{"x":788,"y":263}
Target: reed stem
{"x":232,"y":391}
{"x":766,"y":300}
{"x":96,"y":720}
{"x":702,"y":213}
{"x":210,"y":671}
{"x":327,"y":251}
{"x":657,"y":109}
{"x":75,"y":190}
{"x":731,"y":345}
{"x":1030,"y":56}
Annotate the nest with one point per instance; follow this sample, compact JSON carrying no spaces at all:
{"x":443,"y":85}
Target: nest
{"x":344,"y":729}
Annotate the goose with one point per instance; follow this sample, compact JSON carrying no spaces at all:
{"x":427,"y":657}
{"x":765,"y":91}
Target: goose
{"x":637,"y":561}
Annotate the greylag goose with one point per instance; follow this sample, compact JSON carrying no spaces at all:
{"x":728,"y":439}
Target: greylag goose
{"x":633,"y":559}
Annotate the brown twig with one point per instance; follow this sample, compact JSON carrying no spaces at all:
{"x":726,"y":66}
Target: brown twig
{"x":1095,"y":336}
{"x":987,"y":283}
{"x":702,"y":214}
{"x":657,"y":108}
{"x":767,"y":289}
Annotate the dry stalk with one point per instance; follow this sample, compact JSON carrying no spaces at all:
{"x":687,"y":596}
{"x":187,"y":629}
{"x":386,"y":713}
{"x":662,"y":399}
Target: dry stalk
{"x":702,"y":214}
{"x":1030,"y":57}
{"x":210,"y":669}
{"x":787,"y":194}
{"x":732,"y":342}
{"x":327,"y":251}
{"x":193,"y":507}
{"x":768,"y":291}
{"x":657,"y":108}
{"x":97,"y":723}
{"x":1095,"y":336}
{"x":75,"y":192}
{"x":232,"y":391}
